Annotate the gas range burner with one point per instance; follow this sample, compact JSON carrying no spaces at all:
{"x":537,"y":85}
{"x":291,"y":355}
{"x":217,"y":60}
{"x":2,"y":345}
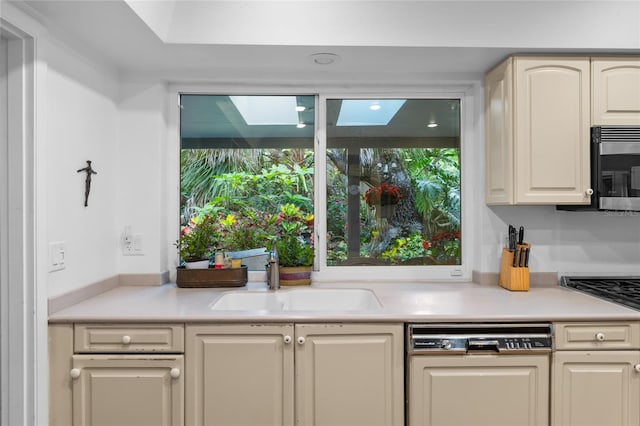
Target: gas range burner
{"x":622,"y":290}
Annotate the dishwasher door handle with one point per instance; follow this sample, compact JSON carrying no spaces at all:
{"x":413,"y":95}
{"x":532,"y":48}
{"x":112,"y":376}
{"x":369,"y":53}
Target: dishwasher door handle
{"x":483,"y":345}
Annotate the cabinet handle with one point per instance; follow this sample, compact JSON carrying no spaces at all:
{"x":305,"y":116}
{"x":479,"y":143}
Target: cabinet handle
{"x":301,"y":340}
{"x":175,"y":373}
{"x":126,"y":340}
{"x":287,"y":339}
{"x":637,"y":367}
{"x":600,"y":337}
{"x":589,"y":192}
{"x":74,"y":373}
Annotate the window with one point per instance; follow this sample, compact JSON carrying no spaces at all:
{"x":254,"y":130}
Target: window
{"x":241,"y":159}
{"x":391,"y":172}
{"x":393,"y":182}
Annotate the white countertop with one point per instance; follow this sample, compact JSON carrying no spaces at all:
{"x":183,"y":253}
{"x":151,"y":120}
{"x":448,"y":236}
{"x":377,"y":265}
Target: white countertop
{"x":429,"y":302}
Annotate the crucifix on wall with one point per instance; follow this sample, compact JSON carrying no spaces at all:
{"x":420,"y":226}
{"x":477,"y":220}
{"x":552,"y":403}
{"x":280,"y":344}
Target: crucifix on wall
{"x":87,"y":182}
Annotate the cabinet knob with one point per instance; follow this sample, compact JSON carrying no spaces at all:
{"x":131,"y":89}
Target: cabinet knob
{"x":637,"y":367}
{"x":74,"y":373}
{"x":175,"y":373}
{"x":600,"y":337}
{"x":589,"y":192}
{"x":287,"y":339}
{"x":301,"y":340}
{"x":126,"y":340}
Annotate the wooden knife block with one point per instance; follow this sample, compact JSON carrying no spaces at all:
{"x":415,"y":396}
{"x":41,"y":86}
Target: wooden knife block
{"x":515,"y":279}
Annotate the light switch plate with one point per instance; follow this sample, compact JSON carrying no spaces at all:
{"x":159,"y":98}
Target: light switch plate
{"x":57,"y":256}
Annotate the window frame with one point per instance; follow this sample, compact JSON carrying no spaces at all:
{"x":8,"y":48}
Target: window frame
{"x":323,"y":272}
{"x":466,"y":93}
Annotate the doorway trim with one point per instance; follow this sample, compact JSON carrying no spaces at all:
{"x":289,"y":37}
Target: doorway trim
{"x":23,"y":313}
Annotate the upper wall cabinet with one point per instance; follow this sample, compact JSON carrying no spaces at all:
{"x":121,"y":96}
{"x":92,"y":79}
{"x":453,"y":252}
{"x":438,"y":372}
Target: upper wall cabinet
{"x":537,"y":131}
{"x":615,"y":97}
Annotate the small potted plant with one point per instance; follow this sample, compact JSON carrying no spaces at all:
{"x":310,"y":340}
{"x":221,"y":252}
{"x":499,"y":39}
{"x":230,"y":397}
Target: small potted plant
{"x":197,"y":242}
{"x":294,"y":243}
{"x":383,"y":199}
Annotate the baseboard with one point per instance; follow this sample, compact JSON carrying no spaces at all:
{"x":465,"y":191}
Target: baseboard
{"x":72,"y":297}
{"x":538,"y":279}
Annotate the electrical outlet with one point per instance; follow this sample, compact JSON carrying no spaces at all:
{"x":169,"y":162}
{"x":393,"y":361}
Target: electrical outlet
{"x":127,"y":241}
{"x":57,"y":254}
{"x":131,"y":243}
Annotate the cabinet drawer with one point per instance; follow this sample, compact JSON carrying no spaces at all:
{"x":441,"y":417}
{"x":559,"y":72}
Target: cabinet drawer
{"x":129,"y":338}
{"x":613,"y":335}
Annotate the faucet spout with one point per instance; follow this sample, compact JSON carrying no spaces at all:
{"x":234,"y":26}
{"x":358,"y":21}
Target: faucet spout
{"x":274,"y":270}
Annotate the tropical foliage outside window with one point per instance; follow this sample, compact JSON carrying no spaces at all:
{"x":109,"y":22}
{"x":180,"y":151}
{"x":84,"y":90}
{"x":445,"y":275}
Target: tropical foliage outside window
{"x":393,"y":189}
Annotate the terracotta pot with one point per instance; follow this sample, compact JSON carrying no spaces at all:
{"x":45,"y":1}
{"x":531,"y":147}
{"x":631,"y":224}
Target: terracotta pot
{"x":295,"y":275}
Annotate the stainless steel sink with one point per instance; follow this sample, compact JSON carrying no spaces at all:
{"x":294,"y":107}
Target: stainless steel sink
{"x":307,"y":299}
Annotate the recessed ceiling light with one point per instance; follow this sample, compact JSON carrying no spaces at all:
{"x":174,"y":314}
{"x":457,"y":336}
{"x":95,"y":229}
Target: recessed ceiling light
{"x":300,"y":108}
{"x":324,"y":58}
{"x":301,"y":125}
{"x":432,"y":125}
{"x":375,"y":106}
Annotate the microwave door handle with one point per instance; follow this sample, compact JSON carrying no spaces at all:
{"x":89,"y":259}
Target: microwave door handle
{"x":619,"y":148}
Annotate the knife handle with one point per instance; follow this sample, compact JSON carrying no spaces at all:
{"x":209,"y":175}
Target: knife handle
{"x":521,"y":235}
{"x":515,"y":257}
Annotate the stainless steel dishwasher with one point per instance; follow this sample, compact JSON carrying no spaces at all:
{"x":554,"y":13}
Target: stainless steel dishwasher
{"x":478,"y":374}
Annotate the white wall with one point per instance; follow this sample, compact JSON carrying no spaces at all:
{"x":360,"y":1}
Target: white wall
{"x":81,"y":124}
{"x":142,"y":183}
{"x":566,"y":242}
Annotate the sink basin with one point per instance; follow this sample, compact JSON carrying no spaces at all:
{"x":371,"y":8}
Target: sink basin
{"x":248,"y":301}
{"x":307,"y":299}
{"x":331,"y":300}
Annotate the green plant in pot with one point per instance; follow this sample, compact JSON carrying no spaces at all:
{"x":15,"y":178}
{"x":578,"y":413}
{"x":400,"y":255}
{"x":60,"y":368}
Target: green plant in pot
{"x":197,"y":241}
{"x":294,"y":243}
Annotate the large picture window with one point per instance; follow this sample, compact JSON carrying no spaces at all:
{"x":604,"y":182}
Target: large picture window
{"x":392,"y":175}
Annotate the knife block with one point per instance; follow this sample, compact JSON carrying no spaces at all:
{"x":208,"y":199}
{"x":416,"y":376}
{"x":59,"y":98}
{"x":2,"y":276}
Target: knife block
{"x":515,"y":279}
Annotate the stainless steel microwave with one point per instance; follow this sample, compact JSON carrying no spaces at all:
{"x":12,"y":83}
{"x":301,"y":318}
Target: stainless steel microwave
{"x":615,"y":169}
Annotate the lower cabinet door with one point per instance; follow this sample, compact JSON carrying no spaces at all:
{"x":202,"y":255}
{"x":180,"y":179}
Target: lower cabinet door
{"x":478,"y":390}
{"x":239,"y":375}
{"x":349,"y":374}
{"x":128,"y":390}
{"x":596,"y":388}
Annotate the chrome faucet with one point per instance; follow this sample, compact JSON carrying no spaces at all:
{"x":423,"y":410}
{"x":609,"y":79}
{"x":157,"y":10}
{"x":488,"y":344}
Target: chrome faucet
{"x":273,"y":279}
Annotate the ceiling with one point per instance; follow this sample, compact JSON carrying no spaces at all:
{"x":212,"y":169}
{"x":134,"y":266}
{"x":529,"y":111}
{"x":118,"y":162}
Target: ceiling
{"x":262,"y":41}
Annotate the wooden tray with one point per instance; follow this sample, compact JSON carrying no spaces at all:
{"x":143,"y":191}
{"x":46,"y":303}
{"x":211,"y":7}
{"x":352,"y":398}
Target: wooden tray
{"x":230,"y":277}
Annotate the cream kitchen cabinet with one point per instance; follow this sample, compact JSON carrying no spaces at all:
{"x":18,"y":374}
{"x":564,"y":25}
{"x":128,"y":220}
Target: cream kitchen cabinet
{"x":596,"y":375}
{"x":538,"y":131}
{"x":307,"y":374}
{"x":488,"y":390}
{"x":116,"y":375}
{"x":615,"y":91}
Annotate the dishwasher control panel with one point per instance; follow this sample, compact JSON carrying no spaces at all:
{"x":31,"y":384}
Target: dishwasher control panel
{"x":479,"y":338}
